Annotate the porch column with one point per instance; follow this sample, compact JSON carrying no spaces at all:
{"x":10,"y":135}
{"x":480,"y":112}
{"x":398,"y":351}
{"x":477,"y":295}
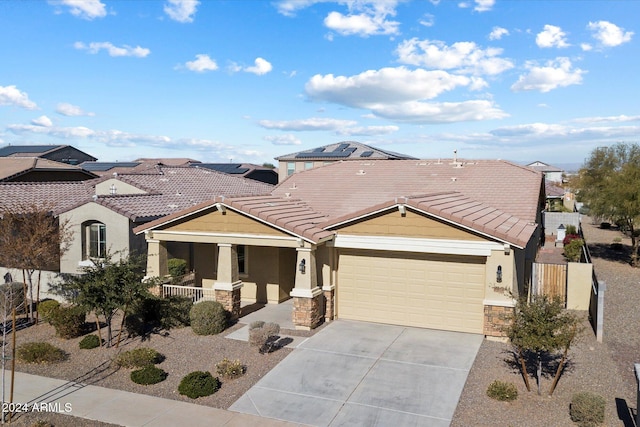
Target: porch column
{"x":227,"y":287}
{"x":307,"y":296}
{"x":156,"y":262}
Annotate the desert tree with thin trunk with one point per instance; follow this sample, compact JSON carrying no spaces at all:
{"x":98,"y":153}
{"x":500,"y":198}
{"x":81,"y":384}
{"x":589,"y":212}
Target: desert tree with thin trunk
{"x":107,"y":286}
{"x":541,"y":327}
{"x":609,"y":185}
{"x":32,"y":239}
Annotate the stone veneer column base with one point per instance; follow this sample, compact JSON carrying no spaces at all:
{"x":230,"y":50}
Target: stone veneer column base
{"x":230,"y":300}
{"x":496,"y":318}
{"x":329,"y":311}
{"x":307,"y":312}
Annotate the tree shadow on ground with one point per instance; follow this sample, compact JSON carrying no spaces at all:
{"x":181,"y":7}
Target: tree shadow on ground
{"x":609,"y":253}
{"x":550,"y":363}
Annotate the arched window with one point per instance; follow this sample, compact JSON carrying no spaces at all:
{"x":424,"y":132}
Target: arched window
{"x":94,"y":240}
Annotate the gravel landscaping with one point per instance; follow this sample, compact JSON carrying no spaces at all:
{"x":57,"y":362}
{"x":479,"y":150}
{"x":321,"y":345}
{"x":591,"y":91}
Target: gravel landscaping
{"x":603,"y":368}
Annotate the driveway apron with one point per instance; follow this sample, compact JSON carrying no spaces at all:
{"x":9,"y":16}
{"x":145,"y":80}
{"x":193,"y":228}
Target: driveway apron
{"x":357,"y":373}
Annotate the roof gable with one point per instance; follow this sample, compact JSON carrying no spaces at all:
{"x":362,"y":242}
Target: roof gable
{"x":346,"y":150}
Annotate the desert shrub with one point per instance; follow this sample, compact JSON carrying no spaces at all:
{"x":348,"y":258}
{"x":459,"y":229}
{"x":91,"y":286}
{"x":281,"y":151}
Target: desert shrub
{"x":177,"y":267}
{"x":149,"y":314}
{"x":568,"y":238}
{"x":148,"y":375}
{"x":587,"y":409}
{"x":256,"y":324}
{"x":68,"y":321}
{"x":89,"y":342}
{"x":138,"y":358}
{"x":42,"y":423}
{"x":573,"y":250}
{"x":198,"y":384}
{"x":176,"y":312}
{"x":503,"y":391}
{"x":259,"y":335}
{"x":46,"y":309}
{"x":40,"y":352}
{"x":571,"y":229}
{"x":208,"y":318}
{"x":230,"y":368}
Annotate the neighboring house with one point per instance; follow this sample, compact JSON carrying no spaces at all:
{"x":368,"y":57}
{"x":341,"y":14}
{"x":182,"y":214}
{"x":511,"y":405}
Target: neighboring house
{"x":144,"y":165}
{"x":35,"y":169}
{"x":245,"y":170}
{"x":103,"y":212}
{"x":58,"y":153}
{"x":551,"y":173}
{"x":425,"y":243}
{"x":346,"y":150}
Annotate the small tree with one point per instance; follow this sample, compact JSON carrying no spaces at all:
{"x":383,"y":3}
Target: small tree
{"x":541,"y":327}
{"x":107,"y":286}
{"x":32,"y":239}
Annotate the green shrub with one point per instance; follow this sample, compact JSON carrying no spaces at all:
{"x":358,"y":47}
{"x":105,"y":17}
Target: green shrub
{"x":587,"y":409}
{"x":149,"y":314}
{"x":40,"y":352}
{"x":198,"y":384}
{"x":573,"y":250}
{"x":208,"y":318}
{"x":148,"y":375}
{"x":259,"y":335}
{"x":68,"y":321}
{"x":503,"y":391}
{"x":47,"y":308}
{"x":177,"y":267}
{"x":176,"y":312}
{"x":89,"y":342}
{"x":230,"y":368}
{"x":571,"y":229}
{"x":138,"y":358}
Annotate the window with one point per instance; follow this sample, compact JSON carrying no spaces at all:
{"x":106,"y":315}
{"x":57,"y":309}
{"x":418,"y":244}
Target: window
{"x":97,"y":241}
{"x":242,"y":259}
{"x":308,"y":165}
{"x":291,"y":168}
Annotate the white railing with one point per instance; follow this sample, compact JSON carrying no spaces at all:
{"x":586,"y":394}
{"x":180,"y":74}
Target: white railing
{"x":195,"y":293}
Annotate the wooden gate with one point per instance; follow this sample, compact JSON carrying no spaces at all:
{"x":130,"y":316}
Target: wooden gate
{"x":549,"y":280}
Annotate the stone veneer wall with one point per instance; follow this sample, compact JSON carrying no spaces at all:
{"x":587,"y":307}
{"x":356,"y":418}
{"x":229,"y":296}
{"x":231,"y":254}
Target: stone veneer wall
{"x":230,"y":300}
{"x":329,"y":297}
{"x":496,"y":318}
{"x":307,"y":312}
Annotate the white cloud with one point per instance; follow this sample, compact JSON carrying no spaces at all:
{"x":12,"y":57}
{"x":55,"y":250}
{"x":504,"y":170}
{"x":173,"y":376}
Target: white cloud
{"x":71,"y":110}
{"x":608,"y":34}
{"x":362,"y":24}
{"x":368,"y":130}
{"x":585,"y":47}
{"x":427,"y":20}
{"x":42,"y":121}
{"x":112,"y":50}
{"x":85,"y":9}
{"x":58,"y":132}
{"x":556,"y":73}
{"x":497,"y":33}
{"x":11,"y":95}
{"x":311,"y":124}
{"x":615,"y":119}
{"x":465,"y":57}
{"x":201,"y":64}
{"x":551,"y":36}
{"x":484,"y":5}
{"x":181,"y":10}
{"x":261,"y":67}
{"x":290,"y":7}
{"x":282,"y":139}
{"x":443,"y":112}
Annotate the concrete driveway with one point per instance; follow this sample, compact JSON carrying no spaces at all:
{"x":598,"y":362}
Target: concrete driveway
{"x":358,"y":373}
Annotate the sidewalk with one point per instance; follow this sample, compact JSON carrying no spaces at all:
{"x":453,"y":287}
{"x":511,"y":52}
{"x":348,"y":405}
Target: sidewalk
{"x":44,"y":394}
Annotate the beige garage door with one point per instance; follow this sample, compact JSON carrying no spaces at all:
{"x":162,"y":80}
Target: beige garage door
{"x":423,"y":290}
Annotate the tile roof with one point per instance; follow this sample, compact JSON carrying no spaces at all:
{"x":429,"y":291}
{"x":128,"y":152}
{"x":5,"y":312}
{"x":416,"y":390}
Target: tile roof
{"x":107,"y":166}
{"x":28,"y":150}
{"x":168,"y":161}
{"x":60,"y":196}
{"x":543,"y":167}
{"x":14,"y":166}
{"x":346,"y":150}
{"x":492,"y":197}
{"x":553,"y":190}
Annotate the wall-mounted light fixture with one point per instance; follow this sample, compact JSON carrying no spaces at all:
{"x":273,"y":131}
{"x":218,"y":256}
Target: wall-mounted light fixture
{"x":499,"y":274}
{"x":302,"y":267}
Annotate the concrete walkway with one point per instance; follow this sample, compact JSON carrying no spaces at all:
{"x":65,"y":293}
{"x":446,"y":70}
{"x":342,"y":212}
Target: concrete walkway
{"x":122,"y":407}
{"x":365,"y":374}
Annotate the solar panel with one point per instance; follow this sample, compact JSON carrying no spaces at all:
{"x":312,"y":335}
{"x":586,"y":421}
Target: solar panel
{"x":230,"y":168}
{"x":311,"y":154}
{"x":341,"y":147}
{"x":105,"y":166}
{"x":366,"y":154}
{"x":14,"y":149}
{"x":318,"y":150}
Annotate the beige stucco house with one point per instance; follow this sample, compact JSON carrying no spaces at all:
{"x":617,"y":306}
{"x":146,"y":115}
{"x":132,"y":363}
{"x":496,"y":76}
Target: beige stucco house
{"x":435,"y":244}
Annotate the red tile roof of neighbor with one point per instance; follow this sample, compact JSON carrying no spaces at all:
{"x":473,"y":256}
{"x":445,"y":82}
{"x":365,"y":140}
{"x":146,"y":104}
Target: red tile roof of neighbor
{"x":169,"y":190}
{"x":493,"y":197}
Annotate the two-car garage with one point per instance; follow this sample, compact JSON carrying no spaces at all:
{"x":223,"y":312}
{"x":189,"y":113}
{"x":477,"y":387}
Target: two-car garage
{"x":413,"y":289}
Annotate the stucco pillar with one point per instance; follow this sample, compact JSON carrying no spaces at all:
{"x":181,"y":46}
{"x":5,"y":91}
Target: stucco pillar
{"x":228,"y":285}
{"x":156,"y":262}
{"x":307,"y":296}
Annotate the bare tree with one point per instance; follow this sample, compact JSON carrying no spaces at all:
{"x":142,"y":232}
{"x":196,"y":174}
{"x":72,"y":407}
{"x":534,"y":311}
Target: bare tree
{"x":32,"y":239}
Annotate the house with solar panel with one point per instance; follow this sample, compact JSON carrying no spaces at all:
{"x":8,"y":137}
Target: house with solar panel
{"x":59,"y":153}
{"x":327,"y":154}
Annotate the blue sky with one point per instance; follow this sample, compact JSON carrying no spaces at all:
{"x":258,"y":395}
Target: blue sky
{"x":249,"y":80}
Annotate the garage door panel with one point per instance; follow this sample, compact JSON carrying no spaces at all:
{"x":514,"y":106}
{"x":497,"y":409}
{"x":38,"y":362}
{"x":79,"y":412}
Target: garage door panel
{"x":412,"y":289}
